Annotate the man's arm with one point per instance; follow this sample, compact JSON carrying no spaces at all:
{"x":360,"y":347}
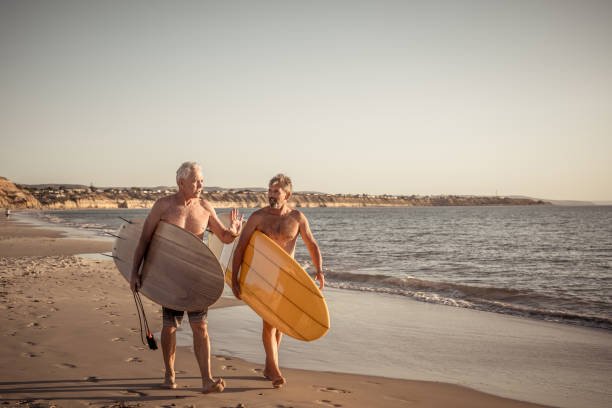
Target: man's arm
{"x":313,"y":248}
{"x":243,"y":242}
{"x":226,"y":235}
{"x":145,"y":237}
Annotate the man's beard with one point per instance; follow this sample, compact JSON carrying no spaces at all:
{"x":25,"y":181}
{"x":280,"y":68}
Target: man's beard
{"x":274,"y":203}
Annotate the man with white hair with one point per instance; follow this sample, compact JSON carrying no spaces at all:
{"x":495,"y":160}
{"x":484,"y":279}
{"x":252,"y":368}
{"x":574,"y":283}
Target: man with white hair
{"x":187,"y":210}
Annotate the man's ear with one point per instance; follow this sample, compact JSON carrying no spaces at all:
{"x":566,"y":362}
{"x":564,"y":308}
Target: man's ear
{"x":288,"y":196}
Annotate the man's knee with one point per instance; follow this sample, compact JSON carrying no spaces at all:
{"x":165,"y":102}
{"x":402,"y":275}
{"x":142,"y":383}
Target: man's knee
{"x":199,"y":329}
{"x":268,"y":329}
{"x":168,"y":330}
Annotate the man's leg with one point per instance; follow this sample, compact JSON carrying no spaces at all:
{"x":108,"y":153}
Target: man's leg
{"x":168,"y":342}
{"x":279,"y":337}
{"x":271,"y":338}
{"x":201,"y":347}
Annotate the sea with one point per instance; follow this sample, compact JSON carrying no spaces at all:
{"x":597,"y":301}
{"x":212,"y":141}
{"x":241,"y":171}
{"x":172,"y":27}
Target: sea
{"x":551,"y":263}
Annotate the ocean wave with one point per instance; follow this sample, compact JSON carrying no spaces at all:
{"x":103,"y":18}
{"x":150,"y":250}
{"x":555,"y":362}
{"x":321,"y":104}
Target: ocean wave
{"x":454,"y":289}
{"x":97,"y":228}
{"x":525,"y":303}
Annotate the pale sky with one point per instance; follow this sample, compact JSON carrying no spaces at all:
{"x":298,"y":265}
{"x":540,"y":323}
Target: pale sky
{"x":402,"y":97}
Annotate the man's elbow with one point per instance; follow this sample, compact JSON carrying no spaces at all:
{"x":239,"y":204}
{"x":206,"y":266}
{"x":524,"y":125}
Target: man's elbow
{"x":313,"y":247}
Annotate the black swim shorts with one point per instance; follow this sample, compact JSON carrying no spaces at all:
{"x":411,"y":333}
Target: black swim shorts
{"x":174,"y":318}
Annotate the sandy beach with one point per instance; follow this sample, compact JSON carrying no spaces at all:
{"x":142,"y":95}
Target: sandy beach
{"x":71,"y":339}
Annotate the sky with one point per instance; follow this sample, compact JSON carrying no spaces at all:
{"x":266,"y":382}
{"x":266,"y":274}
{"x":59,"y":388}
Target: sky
{"x":478,"y":97}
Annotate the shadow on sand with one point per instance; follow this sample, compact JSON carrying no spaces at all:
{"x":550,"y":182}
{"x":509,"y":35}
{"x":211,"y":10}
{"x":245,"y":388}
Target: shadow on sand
{"x":118,"y":392}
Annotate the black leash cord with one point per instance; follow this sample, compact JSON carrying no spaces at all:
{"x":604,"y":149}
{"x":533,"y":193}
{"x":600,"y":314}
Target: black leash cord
{"x":140,"y":309}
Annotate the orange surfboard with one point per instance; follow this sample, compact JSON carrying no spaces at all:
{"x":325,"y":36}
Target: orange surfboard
{"x":277,"y":288}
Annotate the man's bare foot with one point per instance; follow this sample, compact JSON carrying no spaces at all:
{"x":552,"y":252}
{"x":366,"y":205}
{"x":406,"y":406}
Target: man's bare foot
{"x":168,"y":383}
{"x":214,"y":386}
{"x":278,"y":381}
{"x":277,"y":378}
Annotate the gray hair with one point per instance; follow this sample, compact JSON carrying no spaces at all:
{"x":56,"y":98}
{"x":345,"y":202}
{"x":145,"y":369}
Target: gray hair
{"x":185,"y":170}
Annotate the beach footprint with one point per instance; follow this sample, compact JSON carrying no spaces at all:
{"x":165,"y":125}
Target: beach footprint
{"x":328,"y":403}
{"x":65,"y":365}
{"x":134,"y":360}
{"x":228,"y":368}
{"x":117,"y":339}
{"x":334,"y":390}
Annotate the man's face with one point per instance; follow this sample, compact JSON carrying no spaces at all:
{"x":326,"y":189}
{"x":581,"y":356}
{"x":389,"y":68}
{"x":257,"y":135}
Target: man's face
{"x":192,"y":185}
{"x":277,"y":196}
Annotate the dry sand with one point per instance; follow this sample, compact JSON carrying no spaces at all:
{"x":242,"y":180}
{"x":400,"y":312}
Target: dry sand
{"x":71,"y":339}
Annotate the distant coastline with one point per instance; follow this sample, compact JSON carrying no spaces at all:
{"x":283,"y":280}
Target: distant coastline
{"x":59,"y":197}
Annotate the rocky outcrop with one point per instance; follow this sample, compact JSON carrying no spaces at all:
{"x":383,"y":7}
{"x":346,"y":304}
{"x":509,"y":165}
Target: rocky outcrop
{"x":73,"y":198}
{"x":52,"y":197}
{"x":12,"y":196}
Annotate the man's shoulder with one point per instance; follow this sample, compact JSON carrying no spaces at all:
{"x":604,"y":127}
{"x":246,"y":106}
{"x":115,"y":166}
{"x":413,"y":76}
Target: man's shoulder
{"x":262,"y":212}
{"x":164,"y":201}
{"x":207,"y":205}
{"x":297,"y":214}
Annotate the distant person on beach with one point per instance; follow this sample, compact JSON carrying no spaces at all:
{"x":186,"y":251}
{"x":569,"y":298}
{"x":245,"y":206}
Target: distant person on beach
{"x":187,"y":210}
{"x":7,"y":212}
{"x":282,"y":224}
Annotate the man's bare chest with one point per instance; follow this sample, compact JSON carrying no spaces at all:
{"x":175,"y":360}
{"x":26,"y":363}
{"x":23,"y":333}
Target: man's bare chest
{"x":193,"y":220}
{"x":281,"y":229}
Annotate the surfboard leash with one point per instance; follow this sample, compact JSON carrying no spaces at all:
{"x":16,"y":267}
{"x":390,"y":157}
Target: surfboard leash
{"x":140,"y":309}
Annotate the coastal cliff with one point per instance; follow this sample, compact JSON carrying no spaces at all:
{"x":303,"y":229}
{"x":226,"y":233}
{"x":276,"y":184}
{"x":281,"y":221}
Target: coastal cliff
{"x":55,"y":197}
{"x":12,"y":196}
